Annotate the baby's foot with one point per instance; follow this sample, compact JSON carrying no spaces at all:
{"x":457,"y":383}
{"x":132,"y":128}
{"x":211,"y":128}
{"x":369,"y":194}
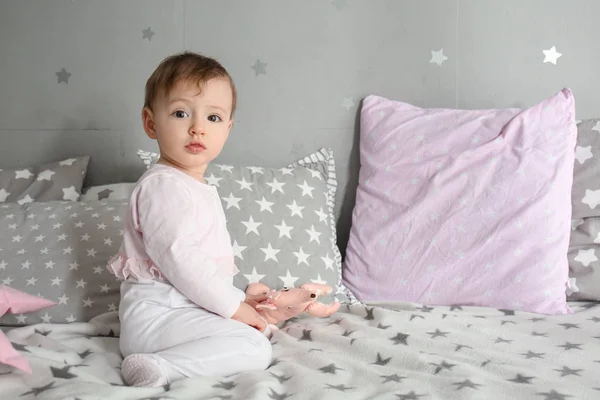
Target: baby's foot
{"x":142,"y":370}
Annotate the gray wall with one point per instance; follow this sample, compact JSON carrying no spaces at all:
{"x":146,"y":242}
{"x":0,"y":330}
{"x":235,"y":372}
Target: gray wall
{"x":321,"y":57}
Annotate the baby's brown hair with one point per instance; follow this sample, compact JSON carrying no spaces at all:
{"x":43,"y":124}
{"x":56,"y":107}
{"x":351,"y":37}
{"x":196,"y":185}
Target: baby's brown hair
{"x":186,"y":67}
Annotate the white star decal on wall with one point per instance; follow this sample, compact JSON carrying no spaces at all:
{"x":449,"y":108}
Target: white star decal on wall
{"x":551,"y":55}
{"x":348,"y":103}
{"x":339,"y":4}
{"x":437,"y":57}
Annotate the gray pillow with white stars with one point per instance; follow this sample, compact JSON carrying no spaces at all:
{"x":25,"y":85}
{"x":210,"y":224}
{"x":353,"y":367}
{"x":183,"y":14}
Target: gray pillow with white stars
{"x":58,"y":250}
{"x":584,"y":251}
{"x":60,"y":180}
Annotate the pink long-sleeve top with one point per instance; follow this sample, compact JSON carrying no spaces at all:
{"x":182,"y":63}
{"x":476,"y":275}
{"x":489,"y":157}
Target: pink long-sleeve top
{"x":175,"y":231}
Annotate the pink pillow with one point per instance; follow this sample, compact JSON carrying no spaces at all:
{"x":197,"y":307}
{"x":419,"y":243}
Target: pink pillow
{"x":464,"y":207}
{"x":13,"y":301}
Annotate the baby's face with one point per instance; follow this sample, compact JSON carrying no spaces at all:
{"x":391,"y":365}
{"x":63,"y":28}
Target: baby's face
{"x":192,"y":125}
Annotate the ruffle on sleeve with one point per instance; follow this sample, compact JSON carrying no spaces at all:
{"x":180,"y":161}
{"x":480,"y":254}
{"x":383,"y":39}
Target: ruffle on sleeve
{"x":123,"y":267}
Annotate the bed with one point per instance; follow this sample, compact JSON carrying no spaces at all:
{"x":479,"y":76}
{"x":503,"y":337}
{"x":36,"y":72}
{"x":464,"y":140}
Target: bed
{"x":537,"y":337}
{"x":378,"y":351}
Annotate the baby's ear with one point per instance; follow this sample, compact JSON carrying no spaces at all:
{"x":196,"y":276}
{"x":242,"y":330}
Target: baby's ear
{"x":148,"y":122}
{"x":229,"y":126}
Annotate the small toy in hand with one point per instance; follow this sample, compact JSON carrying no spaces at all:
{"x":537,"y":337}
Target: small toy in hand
{"x":284,"y":304}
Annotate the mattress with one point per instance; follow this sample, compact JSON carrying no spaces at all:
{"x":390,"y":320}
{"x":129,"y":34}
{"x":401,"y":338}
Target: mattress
{"x":379,"y":351}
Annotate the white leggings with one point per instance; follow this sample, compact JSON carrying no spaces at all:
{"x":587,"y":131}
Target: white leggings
{"x":185,"y":339}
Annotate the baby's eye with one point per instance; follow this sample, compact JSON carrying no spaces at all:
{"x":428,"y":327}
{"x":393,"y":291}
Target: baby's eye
{"x":214,"y":118}
{"x":180,"y":114}
{"x":285,"y":289}
{"x":289,"y":307}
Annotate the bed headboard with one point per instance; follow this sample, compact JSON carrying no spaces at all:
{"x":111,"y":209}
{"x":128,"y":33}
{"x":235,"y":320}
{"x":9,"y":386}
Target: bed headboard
{"x":72,"y":72}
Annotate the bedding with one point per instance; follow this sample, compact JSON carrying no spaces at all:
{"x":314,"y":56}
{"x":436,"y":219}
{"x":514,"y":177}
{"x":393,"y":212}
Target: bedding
{"x":60,"y":180}
{"x":584,"y":273}
{"x":378,"y":351}
{"x":14,"y":301}
{"x":60,"y":249}
{"x":467,"y":207}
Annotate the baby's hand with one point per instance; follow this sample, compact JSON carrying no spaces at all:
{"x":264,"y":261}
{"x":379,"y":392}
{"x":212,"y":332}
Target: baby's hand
{"x":254,"y":299}
{"x":248,"y":315}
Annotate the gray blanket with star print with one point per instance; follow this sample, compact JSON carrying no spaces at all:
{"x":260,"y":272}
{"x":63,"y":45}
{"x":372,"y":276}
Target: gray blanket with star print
{"x":381,"y":351}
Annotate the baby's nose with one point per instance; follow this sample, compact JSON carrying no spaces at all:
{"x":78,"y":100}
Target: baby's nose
{"x":197,"y":128}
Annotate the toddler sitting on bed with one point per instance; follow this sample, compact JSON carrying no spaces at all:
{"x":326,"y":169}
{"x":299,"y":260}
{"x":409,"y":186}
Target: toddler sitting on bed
{"x":180,"y":314}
